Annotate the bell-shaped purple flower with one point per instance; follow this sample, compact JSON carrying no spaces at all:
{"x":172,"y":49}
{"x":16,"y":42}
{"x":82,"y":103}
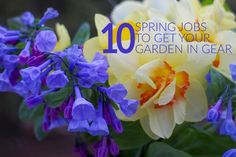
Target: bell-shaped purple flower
{"x":30,"y":74}
{"x":14,"y":76}
{"x":214,"y":113}
{"x":35,"y":100}
{"x":115,"y":122}
{"x":57,"y":123}
{"x":27,"y":18}
{"x":57,"y":79}
{"x":113,"y":147}
{"x":82,"y":109}
{"x":48,"y":15}
{"x":52,"y":119}
{"x":102,"y":149}
{"x":99,"y":125}
{"x":94,"y":72}
{"x":10,"y":62}
{"x":129,"y":107}
{"x":230,"y":153}
{"x":25,"y":53}
{"x":74,"y":54}
{"x":8,"y":38}
{"x":45,"y":41}
{"x":5,"y":84}
{"x":35,"y":60}
{"x":116,"y":92}
{"x":232,"y":68}
{"x":33,"y":73}
{"x":68,"y":108}
{"x":78,"y":125}
{"x":4,"y":49}
{"x":228,"y":126}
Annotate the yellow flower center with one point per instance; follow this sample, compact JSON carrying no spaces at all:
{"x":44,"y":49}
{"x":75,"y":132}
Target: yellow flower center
{"x":162,"y":77}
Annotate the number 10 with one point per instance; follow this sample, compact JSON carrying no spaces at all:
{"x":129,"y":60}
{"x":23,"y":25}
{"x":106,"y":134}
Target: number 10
{"x":110,"y":48}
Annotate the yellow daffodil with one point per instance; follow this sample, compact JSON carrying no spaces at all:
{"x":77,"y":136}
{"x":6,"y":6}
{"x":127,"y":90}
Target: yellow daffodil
{"x":170,"y":87}
{"x":63,"y":38}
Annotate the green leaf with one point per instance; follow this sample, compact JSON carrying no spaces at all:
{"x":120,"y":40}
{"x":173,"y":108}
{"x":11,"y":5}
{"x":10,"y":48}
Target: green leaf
{"x":26,"y":113}
{"x":38,"y":131}
{"x":200,"y":143}
{"x":87,"y":93}
{"x":55,"y":99}
{"x":159,"y":149}
{"x":15,"y":23}
{"x":217,"y":86}
{"x":132,"y":137}
{"x":209,"y":2}
{"x":82,"y":34}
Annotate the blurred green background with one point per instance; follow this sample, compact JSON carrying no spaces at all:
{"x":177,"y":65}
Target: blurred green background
{"x":16,"y":138}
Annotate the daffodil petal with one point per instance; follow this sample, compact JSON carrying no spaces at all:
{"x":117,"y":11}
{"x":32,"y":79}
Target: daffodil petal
{"x":146,"y":127}
{"x":197,"y":106}
{"x":143,"y":73}
{"x":162,"y":121}
{"x":101,"y":22}
{"x":165,"y":7}
{"x":123,"y":66}
{"x":63,"y":38}
{"x":91,"y":46}
{"x":124,"y":9}
{"x":167,"y":95}
{"x":179,"y":108}
{"x":227,"y":37}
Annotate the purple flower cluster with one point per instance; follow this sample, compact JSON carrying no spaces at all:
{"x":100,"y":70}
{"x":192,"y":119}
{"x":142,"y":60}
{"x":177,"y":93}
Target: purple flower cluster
{"x":223,"y":117}
{"x":34,"y":71}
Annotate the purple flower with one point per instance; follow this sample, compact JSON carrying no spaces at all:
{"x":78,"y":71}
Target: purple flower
{"x":113,"y":147}
{"x":116,"y":92}
{"x":10,"y":62}
{"x":110,"y":115}
{"x":228,"y":126}
{"x":230,"y":153}
{"x":82,"y":109}
{"x":35,"y":100}
{"x":102,"y":148}
{"x":78,"y":125}
{"x":14,"y":76}
{"x":45,"y":41}
{"x":5,"y":84}
{"x":129,"y":107}
{"x":30,"y":74}
{"x":232,"y":68}
{"x":99,"y":125}
{"x":8,"y":38}
{"x":94,"y":72}
{"x":74,"y":54}
{"x":208,"y":77}
{"x":6,"y":32}
{"x":68,"y":108}
{"x":57,"y":79}
{"x":52,"y":119}
{"x":48,"y":15}
{"x":4,"y":49}
{"x":33,"y":73}
{"x":25,"y":53}
{"x":27,"y":18}
{"x":35,"y":60}
{"x":214,"y":113}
